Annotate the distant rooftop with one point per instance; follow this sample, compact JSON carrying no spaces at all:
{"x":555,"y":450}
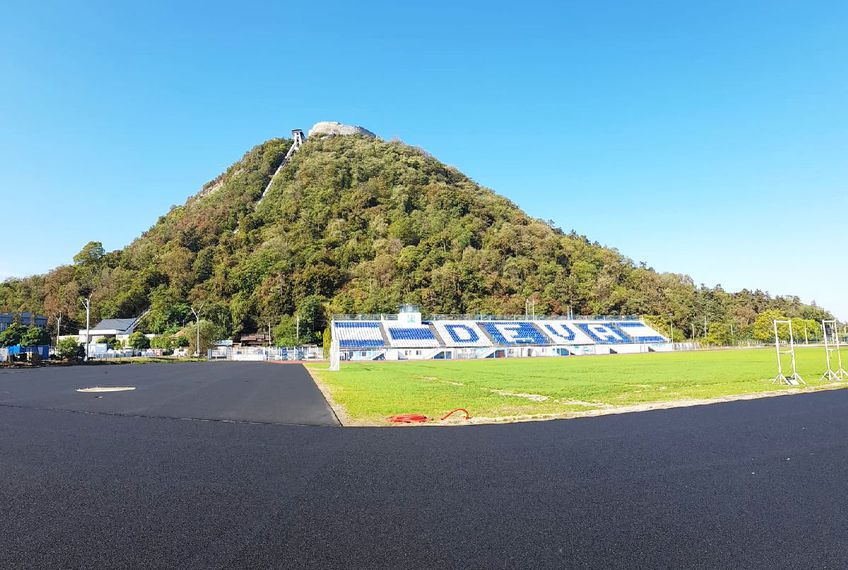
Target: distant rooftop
{"x":116,"y":324}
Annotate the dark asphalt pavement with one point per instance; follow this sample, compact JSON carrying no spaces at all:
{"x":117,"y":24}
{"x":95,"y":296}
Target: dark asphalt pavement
{"x":238,"y":391}
{"x":752,"y":484}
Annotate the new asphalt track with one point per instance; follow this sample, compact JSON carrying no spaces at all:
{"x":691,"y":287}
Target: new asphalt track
{"x":751,"y":484}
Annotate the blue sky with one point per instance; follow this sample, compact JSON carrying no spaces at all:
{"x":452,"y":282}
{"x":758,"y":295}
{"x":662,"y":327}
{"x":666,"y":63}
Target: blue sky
{"x":709,"y":138}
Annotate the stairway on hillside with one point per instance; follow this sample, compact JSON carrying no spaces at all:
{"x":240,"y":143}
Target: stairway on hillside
{"x":297,"y":137}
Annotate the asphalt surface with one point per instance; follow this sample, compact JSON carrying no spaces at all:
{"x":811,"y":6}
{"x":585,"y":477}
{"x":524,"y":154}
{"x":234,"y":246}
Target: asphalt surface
{"x":752,"y":484}
{"x":237,"y":391}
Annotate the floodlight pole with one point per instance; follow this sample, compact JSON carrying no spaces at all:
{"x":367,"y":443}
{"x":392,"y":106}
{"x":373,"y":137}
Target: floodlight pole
{"x":86,"y":302}
{"x":197,"y":320}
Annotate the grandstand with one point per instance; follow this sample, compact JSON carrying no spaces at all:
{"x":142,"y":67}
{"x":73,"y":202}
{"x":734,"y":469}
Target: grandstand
{"x":405,"y":336}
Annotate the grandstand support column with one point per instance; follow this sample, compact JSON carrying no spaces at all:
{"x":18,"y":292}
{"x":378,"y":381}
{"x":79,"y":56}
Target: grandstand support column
{"x":335,"y":355}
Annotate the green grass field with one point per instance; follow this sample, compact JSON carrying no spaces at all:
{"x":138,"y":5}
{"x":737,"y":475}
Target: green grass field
{"x":543,"y":387}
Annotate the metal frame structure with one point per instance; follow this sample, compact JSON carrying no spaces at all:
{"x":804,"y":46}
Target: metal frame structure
{"x":831,"y":345}
{"x":793,"y":379}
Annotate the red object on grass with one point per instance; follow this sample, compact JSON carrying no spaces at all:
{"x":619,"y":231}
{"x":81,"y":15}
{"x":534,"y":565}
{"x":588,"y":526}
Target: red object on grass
{"x":467,"y":415}
{"x":407,"y":419}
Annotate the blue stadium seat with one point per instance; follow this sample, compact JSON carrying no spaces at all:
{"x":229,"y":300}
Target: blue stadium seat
{"x":359,"y":334}
{"x":403,"y":333}
{"x":654,"y":337}
{"x":604,"y":333}
{"x":513,"y":333}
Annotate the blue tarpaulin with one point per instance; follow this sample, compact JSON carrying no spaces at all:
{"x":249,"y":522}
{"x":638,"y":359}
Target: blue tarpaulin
{"x":43,"y":351}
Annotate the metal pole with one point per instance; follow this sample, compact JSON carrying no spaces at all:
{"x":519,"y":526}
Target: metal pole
{"x":58,"y":329}
{"x":792,"y":348}
{"x":87,"y":304}
{"x":197,"y":320}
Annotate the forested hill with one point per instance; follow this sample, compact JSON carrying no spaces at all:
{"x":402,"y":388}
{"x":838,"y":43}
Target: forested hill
{"x":353,"y":224}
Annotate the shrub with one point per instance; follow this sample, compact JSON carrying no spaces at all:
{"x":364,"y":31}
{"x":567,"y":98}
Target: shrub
{"x":69,"y":349}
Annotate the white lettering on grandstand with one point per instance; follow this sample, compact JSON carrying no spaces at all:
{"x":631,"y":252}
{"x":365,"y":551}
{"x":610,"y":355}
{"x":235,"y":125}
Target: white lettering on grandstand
{"x":510,"y":332}
{"x":560,"y":330}
{"x":461,"y":333}
{"x":603,"y":332}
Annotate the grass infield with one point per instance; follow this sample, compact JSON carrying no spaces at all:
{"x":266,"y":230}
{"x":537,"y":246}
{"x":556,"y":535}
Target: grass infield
{"x":528,"y":388}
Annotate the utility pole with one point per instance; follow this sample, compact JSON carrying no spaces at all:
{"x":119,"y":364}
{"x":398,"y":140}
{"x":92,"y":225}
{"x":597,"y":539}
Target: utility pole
{"x":58,"y":328}
{"x":197,"y":320}
{"x":87,"y":304}
{"x":705,"y":326}
{"x":671,"y":328}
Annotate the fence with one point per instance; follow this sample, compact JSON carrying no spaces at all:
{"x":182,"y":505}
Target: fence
{"x":265,"y":353}
{"x":486,"y":317}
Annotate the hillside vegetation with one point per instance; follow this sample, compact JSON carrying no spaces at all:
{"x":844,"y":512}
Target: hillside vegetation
{"x":358,"y":225}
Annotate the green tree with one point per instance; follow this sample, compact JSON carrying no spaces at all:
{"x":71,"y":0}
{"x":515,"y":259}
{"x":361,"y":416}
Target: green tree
{"x":12,"y":335}
{"x":209,"y":333}
{"x":327,"y":339}
{"x":138,"y":341}
{"x":35,"y":336}
{"x":285,"y":333}
{"x":718,"y":334}
{"x":69,"y":349}
{"x":764,"y":326}
{"x":92,"y":253}
{"x":165,"y":342}
{"x":310,"y":311}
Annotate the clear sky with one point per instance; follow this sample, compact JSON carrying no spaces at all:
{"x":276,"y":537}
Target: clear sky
{"x":709,"y":138}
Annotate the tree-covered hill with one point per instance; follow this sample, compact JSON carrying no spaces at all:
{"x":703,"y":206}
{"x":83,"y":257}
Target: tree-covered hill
{"x":353,"y":224}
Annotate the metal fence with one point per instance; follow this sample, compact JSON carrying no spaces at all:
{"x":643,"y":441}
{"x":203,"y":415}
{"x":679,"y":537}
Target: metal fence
{"x":266,"y":353}
{"x":482,"y":317}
